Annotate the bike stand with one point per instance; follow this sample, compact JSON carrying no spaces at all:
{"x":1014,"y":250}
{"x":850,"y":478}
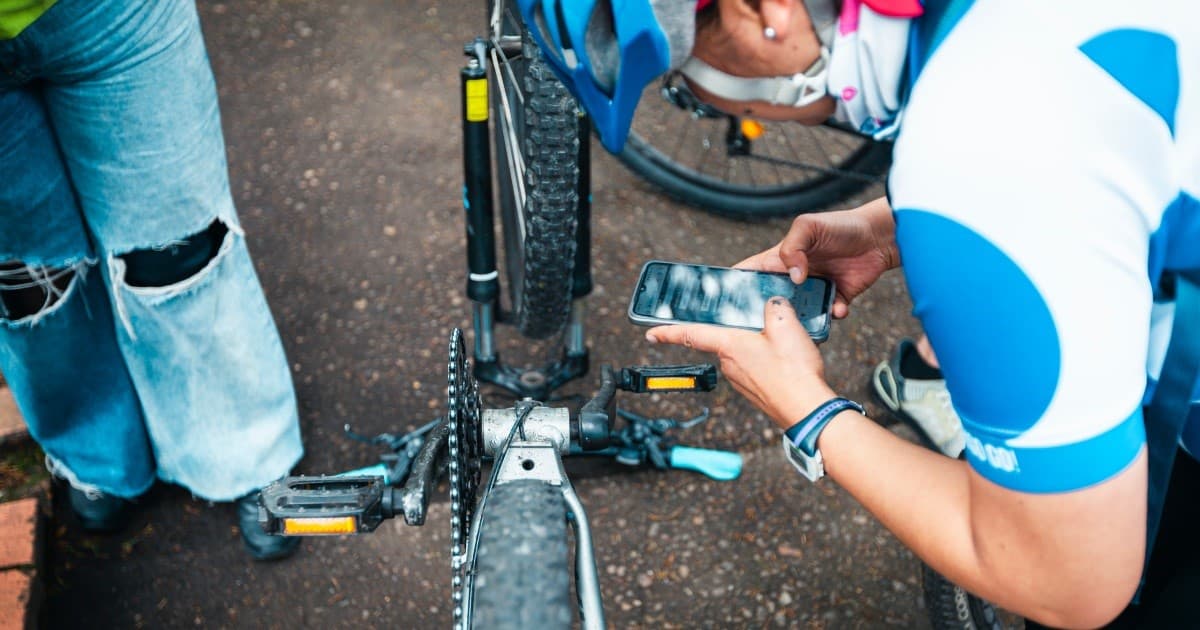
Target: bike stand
{"x":483,"y":284}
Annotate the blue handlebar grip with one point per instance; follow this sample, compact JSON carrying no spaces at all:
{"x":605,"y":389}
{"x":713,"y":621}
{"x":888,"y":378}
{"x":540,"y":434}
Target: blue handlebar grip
{"x":378,"y":470}
{"x":719,"y":465}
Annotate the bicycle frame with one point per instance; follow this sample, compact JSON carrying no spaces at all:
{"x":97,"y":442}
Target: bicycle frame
{"x":526,"y":443}
{"x":546,"y":437}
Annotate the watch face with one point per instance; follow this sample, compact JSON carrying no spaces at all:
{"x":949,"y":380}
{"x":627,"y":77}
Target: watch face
{"x":813,"y":468}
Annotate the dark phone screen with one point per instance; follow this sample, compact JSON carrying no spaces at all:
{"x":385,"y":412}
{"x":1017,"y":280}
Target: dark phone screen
{"x":728,"y":297}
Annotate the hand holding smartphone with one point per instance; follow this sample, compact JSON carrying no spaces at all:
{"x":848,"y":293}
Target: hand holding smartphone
{"x":682,"y":293}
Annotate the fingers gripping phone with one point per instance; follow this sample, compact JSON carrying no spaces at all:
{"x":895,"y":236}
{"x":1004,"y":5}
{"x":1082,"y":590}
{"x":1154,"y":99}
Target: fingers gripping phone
{"x":680,"y":293}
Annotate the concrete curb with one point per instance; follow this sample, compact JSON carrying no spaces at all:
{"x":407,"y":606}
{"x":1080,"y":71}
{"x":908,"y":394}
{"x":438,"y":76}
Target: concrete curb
{"x":21,"y":540}
{"x":21,"y":563}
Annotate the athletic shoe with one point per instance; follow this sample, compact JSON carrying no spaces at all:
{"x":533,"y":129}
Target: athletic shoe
{"x":922,"y":404}
{"x":260,"y":544}
{"x":99,"y":512}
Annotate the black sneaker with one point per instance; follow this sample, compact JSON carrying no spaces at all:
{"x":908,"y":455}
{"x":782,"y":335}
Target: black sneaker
{"x":260,"y":544}
{"x":99,"y":512}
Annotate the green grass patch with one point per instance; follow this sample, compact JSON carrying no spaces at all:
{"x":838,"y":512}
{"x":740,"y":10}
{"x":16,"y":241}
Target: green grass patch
{"x":22,"y":470}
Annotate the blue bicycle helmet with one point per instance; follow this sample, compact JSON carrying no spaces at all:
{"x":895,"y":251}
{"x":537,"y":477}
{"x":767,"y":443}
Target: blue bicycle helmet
{"x":607,"y":51}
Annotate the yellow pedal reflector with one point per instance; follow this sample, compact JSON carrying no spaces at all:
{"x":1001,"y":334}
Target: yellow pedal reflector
{"x":752,"y":129}
{"x":670,"y":382}
{"x":319,"y":526}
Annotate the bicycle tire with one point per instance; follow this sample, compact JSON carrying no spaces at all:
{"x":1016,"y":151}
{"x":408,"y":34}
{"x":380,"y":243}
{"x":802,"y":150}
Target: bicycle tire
{"x":953,"y":608}
{"x":790,"y":169}
{"x":522,"y":577}
{"x":538,"y":231}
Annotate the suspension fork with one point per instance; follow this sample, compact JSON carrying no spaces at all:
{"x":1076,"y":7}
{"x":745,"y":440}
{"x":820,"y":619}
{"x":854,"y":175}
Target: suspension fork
{"x":574,"y":339}
{"x":483,"y":285}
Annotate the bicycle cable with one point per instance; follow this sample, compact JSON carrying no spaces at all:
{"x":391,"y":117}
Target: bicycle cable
{"x":524,"y":408}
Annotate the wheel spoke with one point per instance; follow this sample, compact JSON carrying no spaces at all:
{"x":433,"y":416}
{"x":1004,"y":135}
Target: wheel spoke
{"x":819,"y":169}
{"x":764,"y":141}
{"x":783,"y":169}
{"x":792,"y":147}
{"x":512,"y":150}
{"x":812,"y":134}
{"x":705,"y":145}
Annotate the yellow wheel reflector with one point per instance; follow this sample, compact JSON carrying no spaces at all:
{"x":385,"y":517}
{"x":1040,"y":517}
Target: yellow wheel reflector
{"x":670,"y":382}
{"x":752,"y":129}
{"x":319,"y":526}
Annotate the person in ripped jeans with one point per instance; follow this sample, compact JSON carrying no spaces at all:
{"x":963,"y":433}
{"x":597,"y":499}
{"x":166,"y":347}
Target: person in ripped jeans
{"x":134,"y":333}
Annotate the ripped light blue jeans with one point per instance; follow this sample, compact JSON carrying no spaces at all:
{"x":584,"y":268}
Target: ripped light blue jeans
{"x":111,"y":145}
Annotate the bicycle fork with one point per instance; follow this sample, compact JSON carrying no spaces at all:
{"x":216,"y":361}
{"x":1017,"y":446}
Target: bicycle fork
{"x":483,"y":280}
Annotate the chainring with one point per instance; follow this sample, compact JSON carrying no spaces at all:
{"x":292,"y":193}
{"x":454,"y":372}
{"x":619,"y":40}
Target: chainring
{"x":465,"y":445}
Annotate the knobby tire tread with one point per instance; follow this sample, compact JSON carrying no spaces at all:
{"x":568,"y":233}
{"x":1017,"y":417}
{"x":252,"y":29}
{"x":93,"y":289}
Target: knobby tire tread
{"x":951,"y":607}
{"x":522,"y":578}
{"x":541,"y":295}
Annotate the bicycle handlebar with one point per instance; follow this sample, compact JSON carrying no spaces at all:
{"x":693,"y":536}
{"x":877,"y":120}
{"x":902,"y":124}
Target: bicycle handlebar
{"x":357,"y":501}
{"x":592,"y":427}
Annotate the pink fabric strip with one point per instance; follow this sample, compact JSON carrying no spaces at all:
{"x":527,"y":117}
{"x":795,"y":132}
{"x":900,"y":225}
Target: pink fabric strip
{"x":848,"y":20}
{"x":896,"y":8}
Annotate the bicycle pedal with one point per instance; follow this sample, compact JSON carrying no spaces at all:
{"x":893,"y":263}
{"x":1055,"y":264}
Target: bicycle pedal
{"x":701,"y":377}
{"x":324,"y":506}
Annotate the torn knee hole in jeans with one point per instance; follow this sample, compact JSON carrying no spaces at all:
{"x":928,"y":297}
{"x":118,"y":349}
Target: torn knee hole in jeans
{"x":29,"y":291}
{"x":175,"y":262}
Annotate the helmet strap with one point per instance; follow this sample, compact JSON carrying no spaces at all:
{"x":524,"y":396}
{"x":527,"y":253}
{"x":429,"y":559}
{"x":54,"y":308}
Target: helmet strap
{"x":798,"y":90}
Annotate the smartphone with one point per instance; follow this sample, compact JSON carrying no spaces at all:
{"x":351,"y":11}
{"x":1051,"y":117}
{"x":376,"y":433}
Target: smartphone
{"x":677,"y":293}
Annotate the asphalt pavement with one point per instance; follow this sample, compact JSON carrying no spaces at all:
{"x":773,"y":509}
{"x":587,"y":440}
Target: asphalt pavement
{"x":343,"y":134}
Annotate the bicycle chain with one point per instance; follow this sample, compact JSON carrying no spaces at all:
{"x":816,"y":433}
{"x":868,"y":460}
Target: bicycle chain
{"x":466,"y":450}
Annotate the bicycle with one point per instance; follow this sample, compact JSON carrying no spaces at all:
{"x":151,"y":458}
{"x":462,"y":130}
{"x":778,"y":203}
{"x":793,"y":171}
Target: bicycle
{"x":542,"y":145}
{"x":542,"y":142}
{"x":509,"y":560}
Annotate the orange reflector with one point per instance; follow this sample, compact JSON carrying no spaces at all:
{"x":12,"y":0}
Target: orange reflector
{"x":671,"y":382}
{"x":319,"y":526}
{"x":752,"y":129}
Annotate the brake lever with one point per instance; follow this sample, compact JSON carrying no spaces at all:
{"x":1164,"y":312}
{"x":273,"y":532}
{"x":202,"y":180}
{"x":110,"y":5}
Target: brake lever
{"x":657,"y":458}
{"x":687,"y":424}
{"x":391,"y":440}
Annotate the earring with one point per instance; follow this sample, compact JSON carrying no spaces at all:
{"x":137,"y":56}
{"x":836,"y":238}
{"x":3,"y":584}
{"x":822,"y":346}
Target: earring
{"x":769,"y":33}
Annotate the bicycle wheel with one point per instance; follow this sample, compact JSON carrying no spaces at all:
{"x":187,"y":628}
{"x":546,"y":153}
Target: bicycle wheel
{"x":536,"y":132}
{"x":742,"y":168}
{"x":521,"y":567}
{"x":950,"y":607}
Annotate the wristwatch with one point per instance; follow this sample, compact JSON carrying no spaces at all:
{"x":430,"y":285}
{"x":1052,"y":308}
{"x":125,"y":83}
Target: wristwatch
{"x":800,"y":441}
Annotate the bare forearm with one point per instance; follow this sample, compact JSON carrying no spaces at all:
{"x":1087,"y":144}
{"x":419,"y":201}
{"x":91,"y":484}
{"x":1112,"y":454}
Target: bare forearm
{"x":993,"y":542}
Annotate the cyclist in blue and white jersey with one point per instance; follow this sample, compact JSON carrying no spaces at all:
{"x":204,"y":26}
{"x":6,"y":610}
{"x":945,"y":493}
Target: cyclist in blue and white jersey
{"x":1044,"y":202}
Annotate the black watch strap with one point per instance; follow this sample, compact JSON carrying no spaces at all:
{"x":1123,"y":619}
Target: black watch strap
{"x":803,"y":434}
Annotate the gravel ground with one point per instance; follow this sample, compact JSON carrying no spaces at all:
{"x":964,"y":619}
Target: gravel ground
{"x":343,"y":136}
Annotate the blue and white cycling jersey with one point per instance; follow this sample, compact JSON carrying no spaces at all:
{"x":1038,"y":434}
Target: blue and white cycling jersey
{"x":1047,"y":173}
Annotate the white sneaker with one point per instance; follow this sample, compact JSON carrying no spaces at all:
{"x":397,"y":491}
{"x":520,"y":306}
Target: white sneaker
{"x":923,"y":405}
